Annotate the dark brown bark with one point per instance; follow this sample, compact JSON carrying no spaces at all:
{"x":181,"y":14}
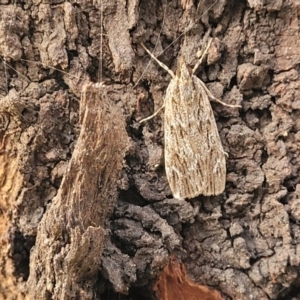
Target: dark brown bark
{"x":86,"y":211}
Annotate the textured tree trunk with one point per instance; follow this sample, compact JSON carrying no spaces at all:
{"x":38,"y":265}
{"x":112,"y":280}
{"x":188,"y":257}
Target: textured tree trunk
{"x":86,"y":209}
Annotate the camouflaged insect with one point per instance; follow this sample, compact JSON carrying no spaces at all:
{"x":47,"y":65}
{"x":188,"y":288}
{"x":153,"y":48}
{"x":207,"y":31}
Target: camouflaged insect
{"x":194,"y":157}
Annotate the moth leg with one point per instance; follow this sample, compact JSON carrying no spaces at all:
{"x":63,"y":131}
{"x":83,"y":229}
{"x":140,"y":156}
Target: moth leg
{"x":159,"y":62}
{"x":153,"y":115}
{"x":210,"y":95}
{"x":201,"y":58}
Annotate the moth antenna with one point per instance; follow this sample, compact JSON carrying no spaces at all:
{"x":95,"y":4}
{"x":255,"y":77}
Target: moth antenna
{"x":6,"y":77}
{"x":8,"y":65}
{"x":185,"y":31}
{"x":53,"y":68}
{"x":162,"y":26}
{"x":189,"y":28}
{"x":101,"y":42}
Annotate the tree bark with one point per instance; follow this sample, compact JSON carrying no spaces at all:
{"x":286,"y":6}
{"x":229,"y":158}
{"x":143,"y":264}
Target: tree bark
{"x":86,"y":210}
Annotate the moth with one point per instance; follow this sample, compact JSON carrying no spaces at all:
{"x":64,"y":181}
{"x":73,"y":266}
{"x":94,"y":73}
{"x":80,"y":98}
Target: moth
{"x":194,"y":157}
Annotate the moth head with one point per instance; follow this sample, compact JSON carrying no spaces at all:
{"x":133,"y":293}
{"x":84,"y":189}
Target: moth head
{"x":183,"y":72}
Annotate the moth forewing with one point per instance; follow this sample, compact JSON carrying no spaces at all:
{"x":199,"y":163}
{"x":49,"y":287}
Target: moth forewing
{"x":194,"y":156}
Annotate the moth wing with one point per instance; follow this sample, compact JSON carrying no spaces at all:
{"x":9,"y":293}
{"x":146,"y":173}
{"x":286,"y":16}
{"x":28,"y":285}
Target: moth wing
{"x":194,"y":157}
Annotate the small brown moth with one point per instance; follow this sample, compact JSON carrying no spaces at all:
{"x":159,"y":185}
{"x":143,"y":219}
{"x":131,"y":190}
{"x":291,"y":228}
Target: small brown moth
{"x":194,"y":157}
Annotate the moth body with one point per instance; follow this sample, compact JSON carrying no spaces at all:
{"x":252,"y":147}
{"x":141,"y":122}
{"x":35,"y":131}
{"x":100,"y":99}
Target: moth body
{"x":194,"y":157}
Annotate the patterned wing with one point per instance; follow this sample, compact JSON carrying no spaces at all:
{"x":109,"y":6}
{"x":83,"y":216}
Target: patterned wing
{"x":194,"y":156}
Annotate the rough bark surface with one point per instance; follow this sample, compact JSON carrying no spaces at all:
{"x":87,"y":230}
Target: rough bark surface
{"x":86,"y":210}
{"x":66,"y":257}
